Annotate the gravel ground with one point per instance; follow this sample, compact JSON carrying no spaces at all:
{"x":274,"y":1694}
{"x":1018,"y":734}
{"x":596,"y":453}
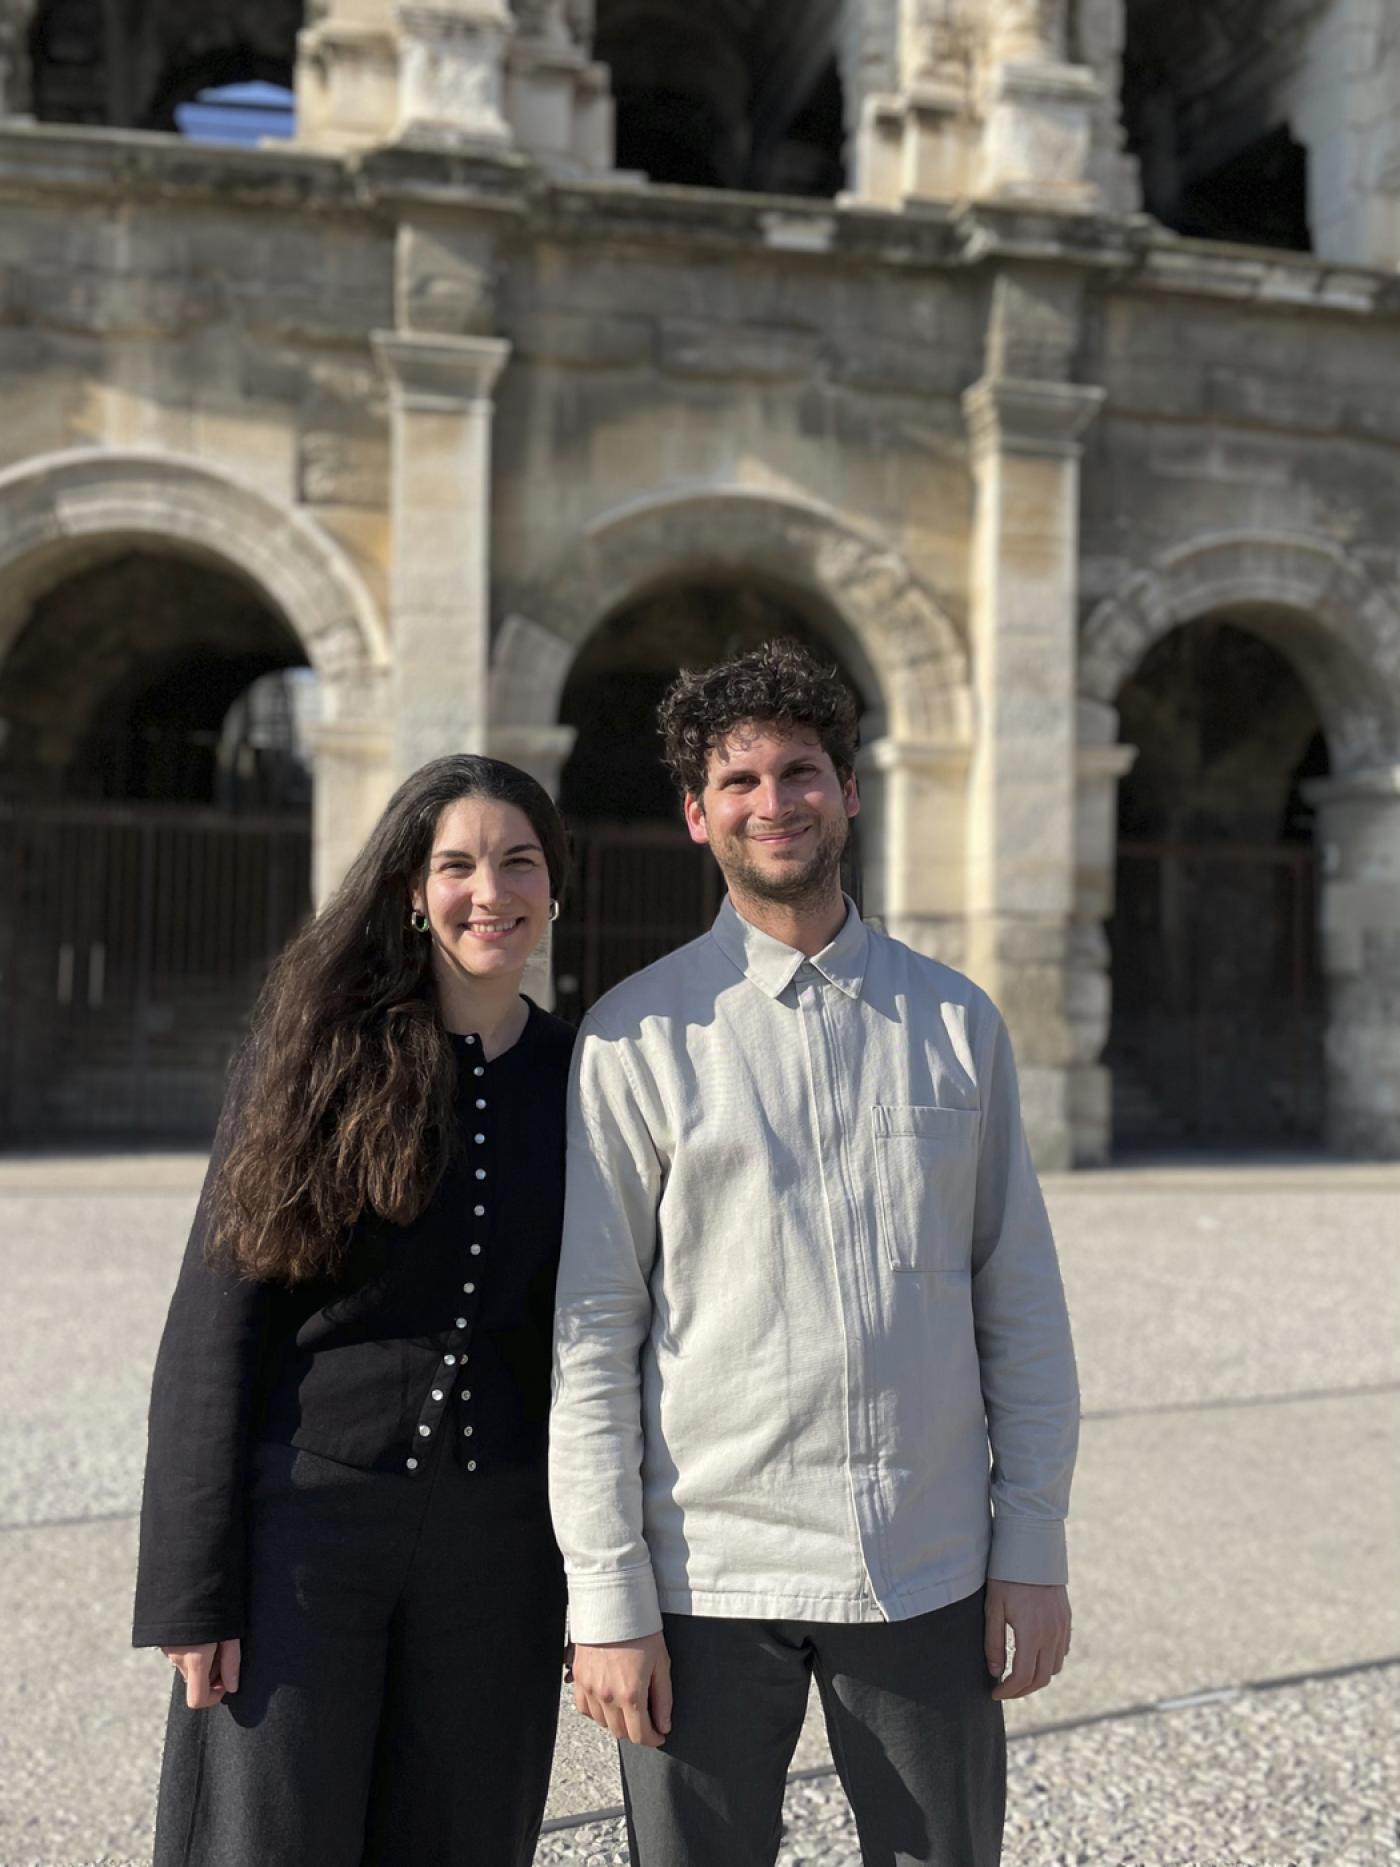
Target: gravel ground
{"x":1237,"y":1331}
{"x":1305,"y":1775}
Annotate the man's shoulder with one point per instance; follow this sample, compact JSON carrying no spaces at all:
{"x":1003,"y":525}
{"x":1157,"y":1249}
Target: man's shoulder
{"x":934,"y":981}
{"x":659,"y":991}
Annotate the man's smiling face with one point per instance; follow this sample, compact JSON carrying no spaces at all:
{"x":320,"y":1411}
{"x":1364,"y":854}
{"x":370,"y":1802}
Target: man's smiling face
{"x":776,"y":813}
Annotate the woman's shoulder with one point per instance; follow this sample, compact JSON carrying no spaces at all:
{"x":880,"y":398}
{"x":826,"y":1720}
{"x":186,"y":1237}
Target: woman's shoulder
{"x":552,"y":1038}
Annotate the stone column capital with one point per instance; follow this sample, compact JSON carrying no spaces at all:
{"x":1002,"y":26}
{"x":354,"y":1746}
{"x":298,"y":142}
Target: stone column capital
{"x":543,"y":751}
{"x":439,"y":374}
{"x":1015,"y":415}
{"x":1103,"y":763}
{"x":943,"y":759}
{"x":1378,"y":784}
{"x":349,"y":738}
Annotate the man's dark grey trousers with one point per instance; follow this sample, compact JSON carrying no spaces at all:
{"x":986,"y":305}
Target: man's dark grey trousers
{"x":916,"y":1736}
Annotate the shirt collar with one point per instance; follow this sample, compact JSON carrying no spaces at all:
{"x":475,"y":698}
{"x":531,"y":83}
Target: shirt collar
{"x":772,"y":965}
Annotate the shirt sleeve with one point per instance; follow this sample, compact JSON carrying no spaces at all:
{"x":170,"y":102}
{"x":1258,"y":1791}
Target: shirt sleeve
{"x":602,"y":1317}
{"x":189,"y":1580}
{"x":1029,"y":1385}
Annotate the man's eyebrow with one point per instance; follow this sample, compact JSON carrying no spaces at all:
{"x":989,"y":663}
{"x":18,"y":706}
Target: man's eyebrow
{"x":737,"y":768}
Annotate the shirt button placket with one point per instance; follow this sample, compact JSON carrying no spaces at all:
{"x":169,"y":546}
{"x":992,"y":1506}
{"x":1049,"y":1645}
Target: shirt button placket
{"x":469,"y":1288}
{"x":438,"y":1393}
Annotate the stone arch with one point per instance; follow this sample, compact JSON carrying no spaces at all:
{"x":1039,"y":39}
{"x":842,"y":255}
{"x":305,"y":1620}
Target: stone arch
{"x":902,"y":645}
{"x":1339,"y":628}
{"x":62,"y":511}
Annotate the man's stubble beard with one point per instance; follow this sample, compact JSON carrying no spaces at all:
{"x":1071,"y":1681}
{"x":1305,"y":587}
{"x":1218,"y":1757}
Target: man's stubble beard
{"x":809,"y":886}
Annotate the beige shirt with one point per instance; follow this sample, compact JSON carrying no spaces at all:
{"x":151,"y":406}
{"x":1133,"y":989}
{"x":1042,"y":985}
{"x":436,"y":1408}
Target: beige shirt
{"x":807,"y":1281}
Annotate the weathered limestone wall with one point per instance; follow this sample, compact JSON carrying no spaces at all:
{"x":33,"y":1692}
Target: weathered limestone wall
{"x":218,"y":325}
{"x":1244,"y":467}
{"x":447,"y":399}
{"x":785,"y":418}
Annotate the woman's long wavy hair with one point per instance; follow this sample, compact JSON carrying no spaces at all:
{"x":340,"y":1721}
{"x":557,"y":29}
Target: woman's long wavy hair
{"x":342,"y":1101}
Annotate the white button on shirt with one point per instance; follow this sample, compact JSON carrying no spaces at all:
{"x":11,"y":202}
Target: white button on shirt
{"x":805,"y":1252}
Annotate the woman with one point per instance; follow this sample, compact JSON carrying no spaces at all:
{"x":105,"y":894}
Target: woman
{"x":345,"y":1545}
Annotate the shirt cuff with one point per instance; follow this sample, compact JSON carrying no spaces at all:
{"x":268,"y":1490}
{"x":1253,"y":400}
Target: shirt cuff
{"x":613,"y":1607}
{"x":1028,"y":1549}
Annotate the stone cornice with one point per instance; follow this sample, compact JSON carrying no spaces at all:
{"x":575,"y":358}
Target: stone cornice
{"x":439,"y":375}
{"x":49,"y":161}
{"x":1015,"y":415}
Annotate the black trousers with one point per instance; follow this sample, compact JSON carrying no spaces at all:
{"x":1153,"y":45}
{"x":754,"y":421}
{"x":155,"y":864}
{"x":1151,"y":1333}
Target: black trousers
{"x":400,"y":1679}
{"x":916,"y":1736}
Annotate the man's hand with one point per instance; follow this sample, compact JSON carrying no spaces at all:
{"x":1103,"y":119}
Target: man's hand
{"x":625,"y":1685}
{"x":210,"y":1672}
{"x":1038,"y":1615}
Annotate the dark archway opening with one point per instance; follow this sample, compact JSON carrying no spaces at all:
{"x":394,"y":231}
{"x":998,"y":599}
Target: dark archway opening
{"x":155,"y":837}
{"x":1216,"y":1038}
{"x":1207,"y":90}
{"x":642,"y":887}
{"x":133,"y":66}
{"x":744,"y":96}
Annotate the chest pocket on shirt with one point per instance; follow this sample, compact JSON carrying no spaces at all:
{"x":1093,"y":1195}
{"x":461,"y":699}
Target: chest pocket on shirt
{"x":926,"y":1184}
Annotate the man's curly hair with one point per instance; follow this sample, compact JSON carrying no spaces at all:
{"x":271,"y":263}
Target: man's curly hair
{"x":778,"y":684}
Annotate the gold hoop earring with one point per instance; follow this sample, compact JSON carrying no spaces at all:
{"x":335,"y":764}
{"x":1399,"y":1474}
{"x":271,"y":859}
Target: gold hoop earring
{"x":418,"y":921}
{"x":554,"y":910}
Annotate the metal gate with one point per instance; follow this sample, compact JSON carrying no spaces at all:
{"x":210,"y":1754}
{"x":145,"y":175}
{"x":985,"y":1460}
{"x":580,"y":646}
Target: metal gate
{"x":133,"y":940}
{"x":639,"y":891}
{"x":1217,"y":995}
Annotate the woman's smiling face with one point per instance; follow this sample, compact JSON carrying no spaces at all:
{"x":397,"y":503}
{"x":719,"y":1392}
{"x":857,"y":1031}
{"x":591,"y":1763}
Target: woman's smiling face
{"x":486,"y":891}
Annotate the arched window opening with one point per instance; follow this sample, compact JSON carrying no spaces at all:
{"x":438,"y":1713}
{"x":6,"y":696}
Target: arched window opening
{"x":155,"y":827}
{"x":642,"y":887}
{"x":1216,"y":1035}
{"x":745,"y":96}
{"x":226,"y":66}
{"x":1212,"y":94}
{"x":264,"y":760}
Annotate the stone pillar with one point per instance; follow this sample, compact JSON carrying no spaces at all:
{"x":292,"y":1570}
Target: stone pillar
{"x":1099,"y":37}
{"x":16,"y":17}
{"x":913,"y":813}
{"x":1099,"y":765}
{"x":1358,"y":842}
{"x":1025,"y":444}
{"x":347,"y":74}
{"x":543,"y":751}
{"x":421,"y":72}
{"x":352,"y":782}
{"x":906,"y":68}
{"x":1038,"y":111}
{"x":452,"y":59}
{"x":441,"y":390}
{"x":558,"y":100}
{"x":953,"y":100}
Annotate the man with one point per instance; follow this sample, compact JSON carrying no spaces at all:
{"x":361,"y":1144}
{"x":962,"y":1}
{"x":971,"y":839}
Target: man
{"x":807,"y":1285}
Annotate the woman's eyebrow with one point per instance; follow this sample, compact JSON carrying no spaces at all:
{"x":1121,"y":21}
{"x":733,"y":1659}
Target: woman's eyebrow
{"x":515,"y":849}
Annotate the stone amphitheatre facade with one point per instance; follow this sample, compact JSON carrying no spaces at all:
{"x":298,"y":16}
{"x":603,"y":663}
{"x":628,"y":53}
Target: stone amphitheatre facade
{"x":1038,"y":360}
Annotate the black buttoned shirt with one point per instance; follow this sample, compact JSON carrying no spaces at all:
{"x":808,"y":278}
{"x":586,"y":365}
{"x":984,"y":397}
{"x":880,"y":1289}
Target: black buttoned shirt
{"x":436,"y":1330}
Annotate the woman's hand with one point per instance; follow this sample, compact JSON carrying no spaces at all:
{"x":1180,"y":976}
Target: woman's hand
{"x":210,"y":1672}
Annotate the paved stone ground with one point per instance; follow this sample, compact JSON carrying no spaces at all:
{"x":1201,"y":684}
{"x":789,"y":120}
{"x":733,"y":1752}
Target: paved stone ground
{"x":1235,"y":1521}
